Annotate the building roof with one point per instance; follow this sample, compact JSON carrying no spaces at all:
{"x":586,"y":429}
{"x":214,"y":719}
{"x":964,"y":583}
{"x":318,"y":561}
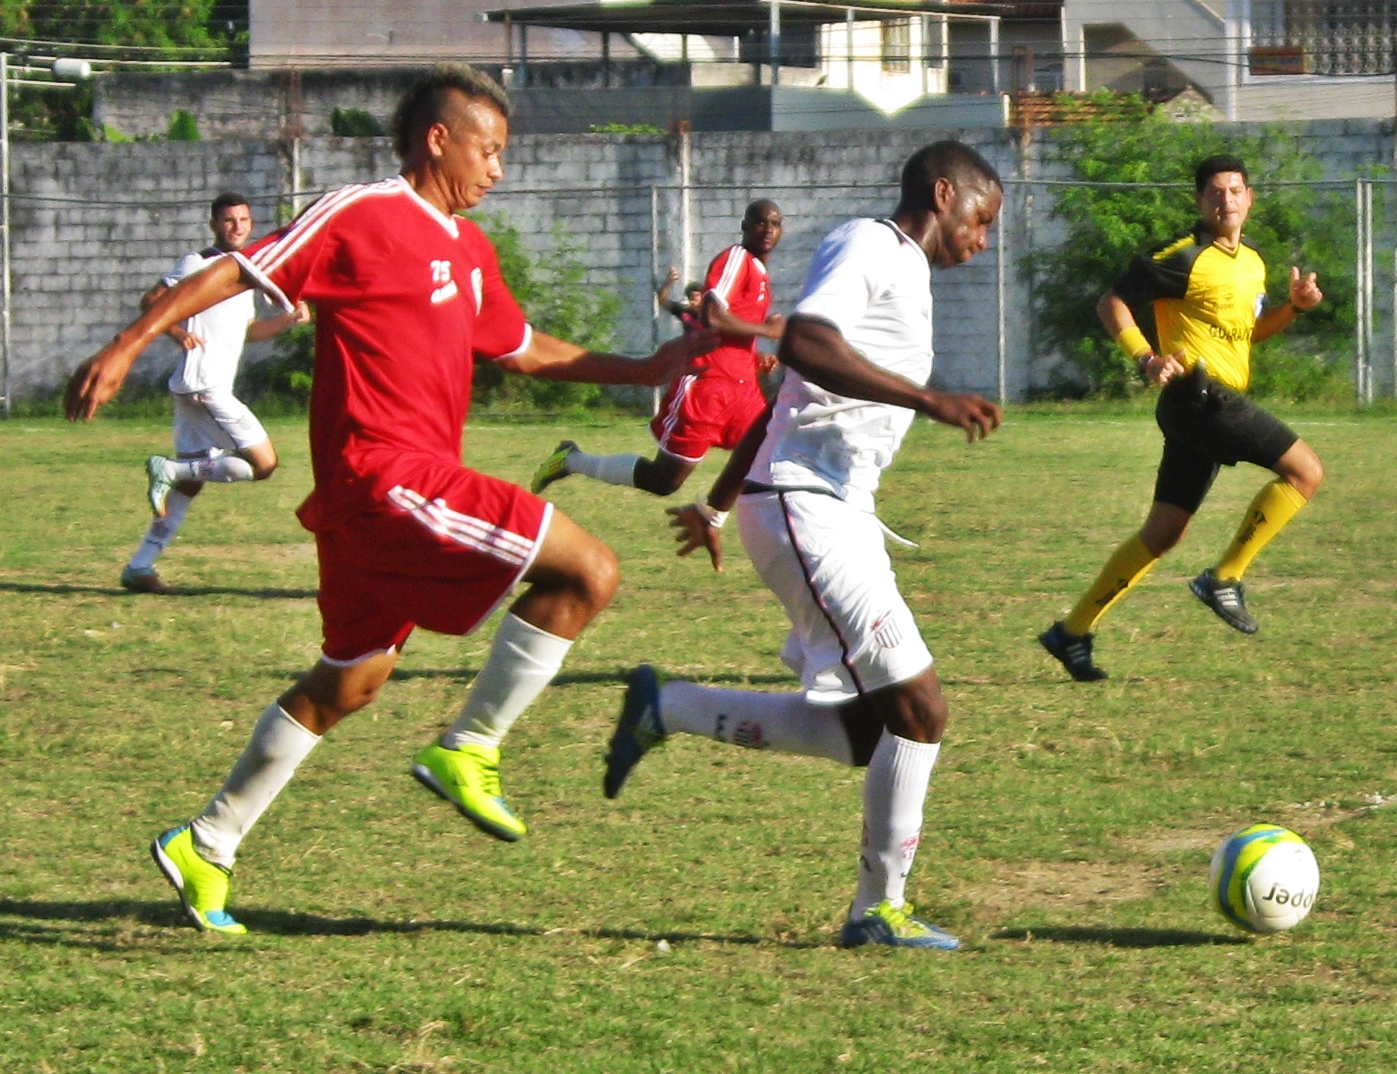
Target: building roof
{"x":733,"y":18}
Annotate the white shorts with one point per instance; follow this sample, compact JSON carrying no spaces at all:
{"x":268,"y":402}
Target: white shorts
{"x":214,"y":421}
{"x":851,"y":631}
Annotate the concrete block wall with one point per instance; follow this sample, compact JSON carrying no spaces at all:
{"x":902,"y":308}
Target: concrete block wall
{"x":94,"y":225}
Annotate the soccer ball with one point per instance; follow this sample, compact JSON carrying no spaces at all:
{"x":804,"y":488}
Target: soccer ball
{"x":1264,"y":878}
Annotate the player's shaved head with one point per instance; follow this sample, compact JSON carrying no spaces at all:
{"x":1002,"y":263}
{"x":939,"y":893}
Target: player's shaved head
{"x":437,"y":98}
{"x":961,"y":166}
{"x":758,"y":209}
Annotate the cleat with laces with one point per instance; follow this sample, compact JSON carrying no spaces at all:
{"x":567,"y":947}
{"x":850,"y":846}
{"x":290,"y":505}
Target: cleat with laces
{"x":158,"y":484}
{"x":1073,"y":651}
{"x":553,"y":468}
{"x":469,"y":778}
{"x":202,"y":885}
{"x":144,"y":580}
{"x":1226,"y":598}
{"x":638,"y":729}
{"x":895,"y":927}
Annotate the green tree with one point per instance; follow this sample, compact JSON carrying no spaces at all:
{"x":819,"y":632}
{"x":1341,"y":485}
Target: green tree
{"x":214,"y":26}
{"x":1135,"y":191}
{"x":213,"y":30}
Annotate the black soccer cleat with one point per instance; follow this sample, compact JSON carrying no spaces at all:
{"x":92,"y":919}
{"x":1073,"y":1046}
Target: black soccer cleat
{"x":1073,"y":651}
{"x":1227,"y":599}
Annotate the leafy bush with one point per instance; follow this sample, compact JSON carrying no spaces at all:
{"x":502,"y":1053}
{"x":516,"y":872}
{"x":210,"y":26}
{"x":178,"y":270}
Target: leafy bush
{"x":1296,"y":221}
{"x":551,"y":291}
{"x":624,"y":128}
{"x":183,"y":127}
{"x":354,"y":123}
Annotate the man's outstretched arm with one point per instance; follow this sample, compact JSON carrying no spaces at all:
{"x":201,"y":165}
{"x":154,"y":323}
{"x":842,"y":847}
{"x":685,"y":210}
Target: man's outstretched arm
{"x":100,"y":377}
{"x":551,"y":358}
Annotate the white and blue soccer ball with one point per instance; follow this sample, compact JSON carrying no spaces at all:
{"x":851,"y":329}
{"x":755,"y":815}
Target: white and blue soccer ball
{"x":1264,"y":878}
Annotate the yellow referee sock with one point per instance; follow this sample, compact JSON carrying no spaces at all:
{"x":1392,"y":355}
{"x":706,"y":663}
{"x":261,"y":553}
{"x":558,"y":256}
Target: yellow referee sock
{"x":1127,"y":565}
{"x":1275,"y":505}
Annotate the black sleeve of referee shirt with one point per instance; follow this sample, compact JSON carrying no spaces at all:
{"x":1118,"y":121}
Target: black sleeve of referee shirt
{"x":1161,"y":273}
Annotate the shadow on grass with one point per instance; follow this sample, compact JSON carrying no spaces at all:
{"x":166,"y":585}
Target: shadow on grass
{"x":1119,"y":937}
{"x":59,"y":588}
{"x":46,"y":923}
{"x":593,"y":678}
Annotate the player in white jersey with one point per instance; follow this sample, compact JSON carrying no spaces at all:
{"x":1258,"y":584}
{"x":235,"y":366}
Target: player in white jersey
{"x":217,"y":438}
{"x":858,"y":354}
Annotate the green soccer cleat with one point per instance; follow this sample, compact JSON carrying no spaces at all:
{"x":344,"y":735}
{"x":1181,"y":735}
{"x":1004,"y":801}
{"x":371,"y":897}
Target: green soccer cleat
{"x":895,"y":927}
{"x":553,"y":468}
{"x":638,"y":729}
{"x":202,"y":885}
{"x":158,"y":485}
{"x":469,"y":778}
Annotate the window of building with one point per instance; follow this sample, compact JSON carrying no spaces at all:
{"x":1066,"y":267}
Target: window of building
{"x":897,"y":45}
{"x":1340,"y":37}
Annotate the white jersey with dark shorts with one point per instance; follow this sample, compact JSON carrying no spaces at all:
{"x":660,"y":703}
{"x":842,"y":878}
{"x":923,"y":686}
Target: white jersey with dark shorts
{"x":807,"y":516}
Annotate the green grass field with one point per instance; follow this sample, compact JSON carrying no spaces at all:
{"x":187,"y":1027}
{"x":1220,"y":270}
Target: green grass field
{"x":688,"y":927}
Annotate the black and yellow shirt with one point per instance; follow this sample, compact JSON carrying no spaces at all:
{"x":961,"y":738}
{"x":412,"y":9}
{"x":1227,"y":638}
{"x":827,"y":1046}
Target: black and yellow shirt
{"x":1206,"y":301}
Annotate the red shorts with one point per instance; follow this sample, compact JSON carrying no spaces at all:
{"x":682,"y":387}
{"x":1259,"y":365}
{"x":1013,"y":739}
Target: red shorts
{"x":699,"y":412}
{"x":443,"y":564}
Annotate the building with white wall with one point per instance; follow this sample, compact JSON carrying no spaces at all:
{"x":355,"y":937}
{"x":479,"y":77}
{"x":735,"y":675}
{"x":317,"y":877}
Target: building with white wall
{"x":1255,"y":60}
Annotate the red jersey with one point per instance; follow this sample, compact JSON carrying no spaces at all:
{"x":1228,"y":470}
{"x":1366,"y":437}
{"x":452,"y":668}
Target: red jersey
{"x":405,"y":298}
{"x":739,"y":282}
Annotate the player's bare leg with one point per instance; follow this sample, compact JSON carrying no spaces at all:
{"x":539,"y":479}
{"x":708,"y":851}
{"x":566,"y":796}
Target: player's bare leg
{"x":197,"y":858}
{"x":573,"y":578}
{"x":664,"y":474}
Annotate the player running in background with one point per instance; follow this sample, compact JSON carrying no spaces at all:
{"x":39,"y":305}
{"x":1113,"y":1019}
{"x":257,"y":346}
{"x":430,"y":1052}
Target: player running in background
{"x":688,"y":313}
{"x":406,"y":293}
{"x":217,"y":438}
{"x":716,"y":401}
{"x":1208,"y":289}
{"x":858,"y":356}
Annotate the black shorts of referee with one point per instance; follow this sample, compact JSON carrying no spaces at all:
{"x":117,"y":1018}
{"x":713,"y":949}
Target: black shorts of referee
{"x":1205,"y":426}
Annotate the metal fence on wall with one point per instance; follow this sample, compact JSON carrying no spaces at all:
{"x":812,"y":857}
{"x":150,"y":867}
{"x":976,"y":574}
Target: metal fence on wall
{"x":626,"y":237}
{"x":987,"y":332}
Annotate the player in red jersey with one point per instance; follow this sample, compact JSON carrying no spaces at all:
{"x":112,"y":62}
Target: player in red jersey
{"x":407,"y":295}
{"x":715,"y":402}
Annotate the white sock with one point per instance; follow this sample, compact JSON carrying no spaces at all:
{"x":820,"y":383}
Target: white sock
{"x":894,"y":792}
{"x":523,"y":660}
{"x":162,"y":531}
{"x":613,"y":469}
{"x":219,"y":468}
{"x":277,"y":746}
{"x":787,"y":723}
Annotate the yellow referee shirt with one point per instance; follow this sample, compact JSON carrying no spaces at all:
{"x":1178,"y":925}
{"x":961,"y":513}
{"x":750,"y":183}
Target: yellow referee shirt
{"x":1206,"y":301}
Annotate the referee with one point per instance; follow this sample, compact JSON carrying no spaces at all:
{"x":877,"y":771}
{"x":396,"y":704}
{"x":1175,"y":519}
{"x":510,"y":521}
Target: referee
{"x":1208,"y":290}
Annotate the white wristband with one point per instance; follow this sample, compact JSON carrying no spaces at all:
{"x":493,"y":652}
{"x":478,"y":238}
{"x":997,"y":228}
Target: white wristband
{"x":711,"y":515}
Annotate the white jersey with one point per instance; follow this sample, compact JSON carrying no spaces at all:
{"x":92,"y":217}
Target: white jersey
{"x":872,"y":283}
{"x":222,"y":327}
